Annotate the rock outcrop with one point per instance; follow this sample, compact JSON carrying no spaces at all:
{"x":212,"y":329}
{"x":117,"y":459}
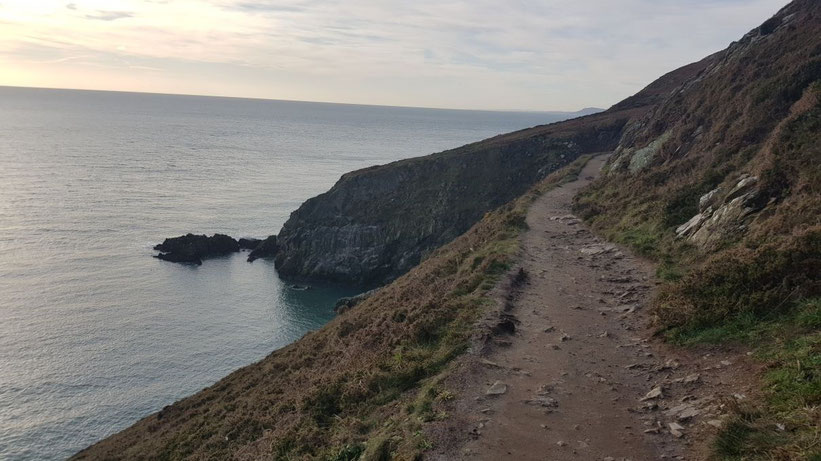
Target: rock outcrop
{"x":264,"y":249}
{"x":719,"y":219}
{"x":192,"y":248}
{"x":248,"y":243}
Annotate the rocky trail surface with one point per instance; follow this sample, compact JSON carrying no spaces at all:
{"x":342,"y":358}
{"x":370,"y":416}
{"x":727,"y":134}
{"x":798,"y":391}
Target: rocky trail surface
{"x":581,"y":377}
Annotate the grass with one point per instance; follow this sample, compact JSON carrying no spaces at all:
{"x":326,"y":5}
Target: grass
{"x":786,"y":424}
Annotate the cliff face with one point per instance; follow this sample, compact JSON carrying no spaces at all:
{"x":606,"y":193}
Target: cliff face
{"x":377,"y":223}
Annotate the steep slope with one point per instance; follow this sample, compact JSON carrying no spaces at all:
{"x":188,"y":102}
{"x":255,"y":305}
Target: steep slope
{"x":721,"y":183}
{"x":377,"y":223}
{"x":729,"y":162}
{"x":363,"y":386}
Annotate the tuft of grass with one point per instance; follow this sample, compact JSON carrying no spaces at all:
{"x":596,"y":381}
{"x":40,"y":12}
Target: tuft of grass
{"x":348,"y":453}
{"x":743,"y":285}
{"x":786,"y":424}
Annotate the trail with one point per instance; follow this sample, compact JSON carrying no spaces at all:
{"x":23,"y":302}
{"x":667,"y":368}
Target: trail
{"x":572,"y":383}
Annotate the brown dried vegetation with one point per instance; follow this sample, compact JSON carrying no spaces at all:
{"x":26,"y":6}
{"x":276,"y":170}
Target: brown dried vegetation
{"x":360,"y":387}
{"x":756,"y":111}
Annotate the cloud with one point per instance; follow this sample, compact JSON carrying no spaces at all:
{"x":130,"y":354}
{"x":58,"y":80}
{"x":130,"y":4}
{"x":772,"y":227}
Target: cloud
{"x":71,"y":6}
{"x":103,"y":15}
{"x":262,"y":7}
{"x":528,"y":54}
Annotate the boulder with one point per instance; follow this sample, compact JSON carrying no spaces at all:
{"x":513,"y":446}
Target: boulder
{"x":264,"y":249}
{"x":192,"y":248}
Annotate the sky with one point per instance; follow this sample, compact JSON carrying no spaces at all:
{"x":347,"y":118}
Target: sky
{"x":469,"y":54}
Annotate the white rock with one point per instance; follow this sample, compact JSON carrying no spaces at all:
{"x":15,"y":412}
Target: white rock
{"x":654,"y":393}
{"x":706,"y":199}
{"x":498,"y":388}
{"x":688,"y":414}
{"x":547,"y":402}
{"x":676,"y":429}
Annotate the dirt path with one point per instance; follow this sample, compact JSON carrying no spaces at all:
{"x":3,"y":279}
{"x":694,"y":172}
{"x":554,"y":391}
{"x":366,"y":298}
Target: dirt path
{"x":572,"y":383}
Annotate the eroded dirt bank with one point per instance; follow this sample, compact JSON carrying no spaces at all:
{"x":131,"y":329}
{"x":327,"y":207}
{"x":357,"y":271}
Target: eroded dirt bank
{"x":581,"y":376}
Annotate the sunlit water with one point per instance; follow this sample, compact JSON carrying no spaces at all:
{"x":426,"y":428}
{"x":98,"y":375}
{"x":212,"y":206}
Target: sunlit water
{"x":94,"y":332}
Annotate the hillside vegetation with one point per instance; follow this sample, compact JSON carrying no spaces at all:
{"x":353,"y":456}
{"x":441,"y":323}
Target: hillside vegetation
{"x":721,"y":184}
{"x":715,"y":175}
{"x":360,"y":387}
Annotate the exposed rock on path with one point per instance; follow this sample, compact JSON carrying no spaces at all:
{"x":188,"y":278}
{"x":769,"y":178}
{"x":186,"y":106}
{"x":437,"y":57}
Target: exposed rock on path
{"x":583,"y":381}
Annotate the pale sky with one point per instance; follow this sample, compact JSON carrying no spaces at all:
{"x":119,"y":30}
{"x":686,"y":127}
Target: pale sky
{"x":474,"y":54}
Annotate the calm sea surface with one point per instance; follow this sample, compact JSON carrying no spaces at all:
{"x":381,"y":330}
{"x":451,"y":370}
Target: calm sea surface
{"x":94,"y":332}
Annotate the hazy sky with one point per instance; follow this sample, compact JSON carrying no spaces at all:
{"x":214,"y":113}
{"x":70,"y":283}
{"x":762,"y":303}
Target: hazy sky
{"x":514,"y":54}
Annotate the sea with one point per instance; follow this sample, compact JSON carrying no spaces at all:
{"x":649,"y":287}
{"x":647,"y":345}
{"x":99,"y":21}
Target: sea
{"x":94,"y":332}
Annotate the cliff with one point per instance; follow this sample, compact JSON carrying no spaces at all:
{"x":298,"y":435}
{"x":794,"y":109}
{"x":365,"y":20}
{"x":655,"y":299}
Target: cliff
{"x":363,"y":386}
{"x":377,"y":223}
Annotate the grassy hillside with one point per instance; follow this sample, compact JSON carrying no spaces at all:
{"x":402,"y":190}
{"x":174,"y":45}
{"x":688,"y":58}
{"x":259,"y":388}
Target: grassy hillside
{"x":360,"y":386}
{"x":722,"y":185}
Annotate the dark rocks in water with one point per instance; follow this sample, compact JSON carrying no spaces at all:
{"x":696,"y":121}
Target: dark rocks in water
{"x":264,"y":249}
{"x":180,"y":258}
{"x":248,"y":243}
{"x":348,"y":302}
{"x":192,"y":248}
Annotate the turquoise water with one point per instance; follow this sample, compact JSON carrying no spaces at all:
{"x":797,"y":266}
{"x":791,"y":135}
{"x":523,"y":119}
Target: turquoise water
{"x":94,"y":332}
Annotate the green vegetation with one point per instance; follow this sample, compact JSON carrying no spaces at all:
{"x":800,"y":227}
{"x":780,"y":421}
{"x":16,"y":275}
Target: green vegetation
{"x":787,"y":423}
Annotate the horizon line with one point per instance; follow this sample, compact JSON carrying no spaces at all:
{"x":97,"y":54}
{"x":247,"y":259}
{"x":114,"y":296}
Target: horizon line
{"x":300,"y":101}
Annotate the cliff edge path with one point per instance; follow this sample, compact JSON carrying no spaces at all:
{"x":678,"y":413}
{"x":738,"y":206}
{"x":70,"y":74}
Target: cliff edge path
{"x":580,"y":379}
